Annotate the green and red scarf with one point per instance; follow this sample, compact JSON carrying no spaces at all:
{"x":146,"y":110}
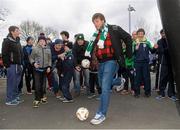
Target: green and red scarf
{"x":103,"y":35}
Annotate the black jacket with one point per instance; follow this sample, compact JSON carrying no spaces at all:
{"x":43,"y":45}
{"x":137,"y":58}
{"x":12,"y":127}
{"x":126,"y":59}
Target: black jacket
{"x":11,"y":51}
{"x":163,"y":52}
{"x":118,"y":35}
{"x":79,"y":52}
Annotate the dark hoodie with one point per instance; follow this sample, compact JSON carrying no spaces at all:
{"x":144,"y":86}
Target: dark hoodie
{"x":79,"y":52}
{"x":11,"y":51}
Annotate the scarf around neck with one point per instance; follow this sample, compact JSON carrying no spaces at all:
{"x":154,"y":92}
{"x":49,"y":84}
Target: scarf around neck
{"x":103,"y":35}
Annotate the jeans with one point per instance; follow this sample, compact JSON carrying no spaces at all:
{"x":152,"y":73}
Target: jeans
{"x":106,"y":72}
{"x":77,"y":86}
{"x":55,"y":80}
{"x":13,"y":79}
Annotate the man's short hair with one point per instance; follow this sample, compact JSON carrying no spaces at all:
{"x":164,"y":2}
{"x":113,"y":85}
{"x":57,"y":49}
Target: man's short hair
{"x":141,"y":30}
{"x":12,"y":28}
{"x":98,"y":15}
{"x":65,"y":33}
{"x":29,"y":38}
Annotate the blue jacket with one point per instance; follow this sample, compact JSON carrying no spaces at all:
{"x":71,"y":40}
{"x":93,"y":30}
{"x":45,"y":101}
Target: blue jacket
{"x":27,"y":52}
{"x":142,"y":53}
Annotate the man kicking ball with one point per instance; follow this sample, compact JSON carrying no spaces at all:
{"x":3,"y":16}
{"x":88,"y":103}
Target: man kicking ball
{"x":107,"y":43}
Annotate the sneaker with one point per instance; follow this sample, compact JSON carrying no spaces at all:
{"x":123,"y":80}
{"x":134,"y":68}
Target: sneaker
{"x":62,"y":98}
{"x":98,"y":98}
{"x":36,"y":104}
{"x":125,"y":92}
{"x":132,"y":92}
{"x":58,"y":97}
{"x":29,"y":93}
{"x":173,"y":98}
{"x":91,"y":95}
{"x":12,"y":103}
{"x":19,"y":100}
{"x":147,"y":95}
{"x":44,"y":100}
{"x":67,"y":101}
{"x":98,"y":119}
{"x":120,"y":87}
{"x":160,"y":97}
{"x":136,"y":96}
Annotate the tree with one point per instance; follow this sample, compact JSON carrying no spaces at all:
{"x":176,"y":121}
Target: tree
{"x":30,"y":28}
{"x":141,"y":23}
{"x":152,"y":32}
{"x":51,"y":32}
{"x":33,"y":29}
{"x":3,"y":13}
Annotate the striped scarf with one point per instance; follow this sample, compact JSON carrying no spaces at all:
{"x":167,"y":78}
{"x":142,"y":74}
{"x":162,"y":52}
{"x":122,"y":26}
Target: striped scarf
{"x":100,"y":43}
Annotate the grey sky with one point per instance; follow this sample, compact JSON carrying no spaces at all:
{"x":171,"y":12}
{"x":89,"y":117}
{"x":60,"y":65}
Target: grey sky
{"x":75,"y":15}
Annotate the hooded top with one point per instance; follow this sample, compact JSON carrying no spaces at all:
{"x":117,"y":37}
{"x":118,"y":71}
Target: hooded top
{"x":11,"y":51}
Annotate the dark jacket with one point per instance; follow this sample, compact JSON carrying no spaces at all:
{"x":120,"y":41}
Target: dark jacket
{"x":68,"y":63}
{"x":12,"y":51}
{"x":163,"y":52}
{"x":56,"y":62}
{"x":142,"y":53}
{"x":79,"y":52}
{"x":26,"y":53}
{"x":118,"y":35}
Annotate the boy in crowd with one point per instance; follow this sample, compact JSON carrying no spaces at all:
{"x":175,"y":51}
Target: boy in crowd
{"x":165,"y":69}
{"x":57,"y":51}
{"x":93,"y":78}
{"x":141,"y":53}
{"x":40,"y":58}
{"x":78,"y":52}
{"x":65,"y":37}
{"x":128,"y":74}
{"x":28,"y":68}
{"x":12,"y":56}
{"x":67,"y":73}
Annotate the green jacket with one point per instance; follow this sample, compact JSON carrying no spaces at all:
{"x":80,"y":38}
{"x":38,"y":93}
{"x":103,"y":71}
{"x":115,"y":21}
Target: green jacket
{"x":129,"y":62}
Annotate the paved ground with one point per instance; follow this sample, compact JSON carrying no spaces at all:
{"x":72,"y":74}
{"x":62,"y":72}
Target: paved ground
{"x":125,"y":112}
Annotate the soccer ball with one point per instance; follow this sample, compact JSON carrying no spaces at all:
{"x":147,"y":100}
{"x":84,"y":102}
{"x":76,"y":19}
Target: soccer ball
{"x":82,"y":113}
{"x":85,"y":63}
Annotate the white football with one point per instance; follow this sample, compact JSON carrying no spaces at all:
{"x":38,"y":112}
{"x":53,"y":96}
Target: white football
{"x":82,"y":113}
{"x":85,"y":63}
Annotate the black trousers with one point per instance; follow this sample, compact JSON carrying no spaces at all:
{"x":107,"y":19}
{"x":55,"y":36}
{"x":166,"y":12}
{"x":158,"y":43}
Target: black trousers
{"x":142,"y":74}
{"x":157,"y":77}
{"x":40,"y":85}
{"x":128,"y":74}
{"x":29,"y":76}
{"x":65,"y":84}
{"x":166,"y":77}
{"x":93,"y":81}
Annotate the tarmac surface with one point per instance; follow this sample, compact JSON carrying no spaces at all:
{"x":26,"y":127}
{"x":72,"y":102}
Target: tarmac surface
{"x":125,"y":112}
